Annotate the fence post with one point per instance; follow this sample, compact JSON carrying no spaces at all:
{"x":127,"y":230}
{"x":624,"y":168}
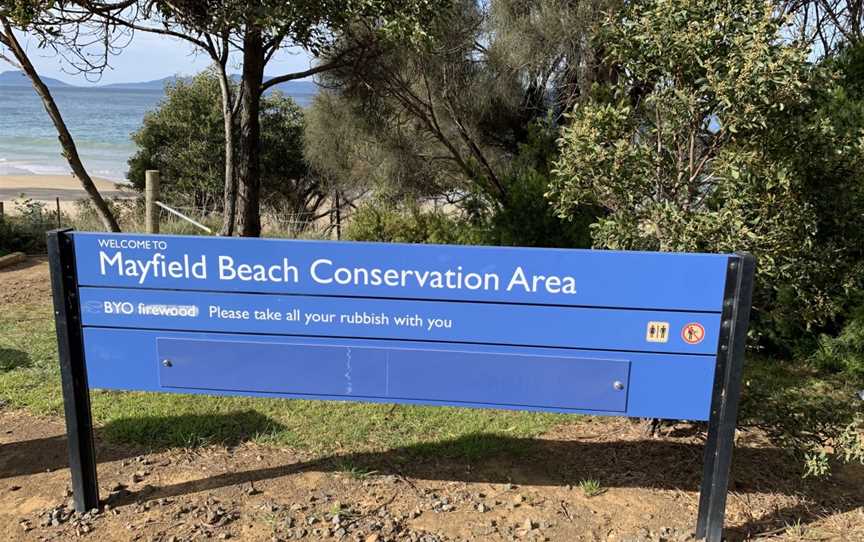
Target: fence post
{"x":151,"y":195}
{"x":1,"y":210}
{"x":58,"y":212}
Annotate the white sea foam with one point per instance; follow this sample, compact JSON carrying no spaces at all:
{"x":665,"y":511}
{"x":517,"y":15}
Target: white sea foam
{"x":8,"y":167}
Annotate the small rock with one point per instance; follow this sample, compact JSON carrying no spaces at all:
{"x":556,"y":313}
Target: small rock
{"x":482,"y":508}
{"x":252,"y":490}
{"x":374,"y":537}
{"x":529,"y":525}
{"x":14,"y":488}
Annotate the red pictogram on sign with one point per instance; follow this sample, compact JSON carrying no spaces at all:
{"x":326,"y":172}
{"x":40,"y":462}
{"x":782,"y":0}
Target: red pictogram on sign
{"x":693,"y":333}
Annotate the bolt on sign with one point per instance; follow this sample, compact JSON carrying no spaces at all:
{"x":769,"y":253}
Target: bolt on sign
{"x":653,"y":335}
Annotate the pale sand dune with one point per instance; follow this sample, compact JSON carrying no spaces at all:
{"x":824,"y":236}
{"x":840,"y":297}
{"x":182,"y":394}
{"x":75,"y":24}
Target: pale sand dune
{"x":46,"y":188}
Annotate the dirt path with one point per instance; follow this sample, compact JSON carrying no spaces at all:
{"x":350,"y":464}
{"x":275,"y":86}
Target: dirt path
{"x":648,"y":487}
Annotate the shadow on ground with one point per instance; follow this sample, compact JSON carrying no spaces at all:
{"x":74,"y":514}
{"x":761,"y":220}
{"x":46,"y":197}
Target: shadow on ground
{"x":31,"y":261}
{"x":650,"y":463}
{"x":50,"y":453}
{"x":13,"y":359}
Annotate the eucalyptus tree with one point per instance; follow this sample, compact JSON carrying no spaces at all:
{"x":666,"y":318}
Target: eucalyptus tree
{"x":826,"y":25}
{"x":254,"y":31}
{"x":24,"y":16}
{"x":453,"y":115}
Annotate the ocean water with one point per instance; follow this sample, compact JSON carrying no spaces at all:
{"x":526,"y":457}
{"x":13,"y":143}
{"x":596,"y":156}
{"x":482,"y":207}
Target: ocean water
{"x":101,"y":121}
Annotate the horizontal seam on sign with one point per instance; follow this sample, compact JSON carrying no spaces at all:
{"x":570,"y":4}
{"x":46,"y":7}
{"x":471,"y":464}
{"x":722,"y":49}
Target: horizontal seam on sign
{"x":388,"y":399}
{"x":432,"y":341}
{"x":330,"y":296}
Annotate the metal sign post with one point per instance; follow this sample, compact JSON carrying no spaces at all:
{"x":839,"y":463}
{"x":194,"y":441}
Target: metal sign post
{"x":73,"y":371}
{"x":725,"y":397}
{"x":652,"y":335}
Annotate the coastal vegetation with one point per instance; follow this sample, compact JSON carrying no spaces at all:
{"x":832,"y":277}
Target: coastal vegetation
{"x":672,"y":125}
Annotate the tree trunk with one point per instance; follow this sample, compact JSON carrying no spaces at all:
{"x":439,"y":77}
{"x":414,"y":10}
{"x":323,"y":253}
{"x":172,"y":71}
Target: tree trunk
{"x":70,"y":151}
{"x":229,"y":216}
{"x":248,"y":164}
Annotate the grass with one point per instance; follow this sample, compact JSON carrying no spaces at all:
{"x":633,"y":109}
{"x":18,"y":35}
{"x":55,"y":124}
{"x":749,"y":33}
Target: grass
{"x":591,"y":488}
{"x":355,"y":472}
{"x":29,"y":378}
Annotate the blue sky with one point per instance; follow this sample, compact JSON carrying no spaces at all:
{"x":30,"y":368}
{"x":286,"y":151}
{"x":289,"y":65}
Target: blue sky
{"x":149,"y":57}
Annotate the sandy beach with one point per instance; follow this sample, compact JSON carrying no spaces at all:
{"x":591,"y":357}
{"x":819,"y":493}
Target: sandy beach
{"x":46,"y":188}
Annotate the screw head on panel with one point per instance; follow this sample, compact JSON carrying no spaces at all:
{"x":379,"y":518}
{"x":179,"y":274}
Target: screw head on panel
{"x":167,"y":363}
{"x":618,"y":385}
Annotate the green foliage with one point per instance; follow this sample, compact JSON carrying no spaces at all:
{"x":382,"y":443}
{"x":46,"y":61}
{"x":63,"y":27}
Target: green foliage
{"x":22,"y":12}
{"x":591,"y":488}
{"x":471,"y":118}
{"x":25,"y":230}
{"x":408,"y":223}
{"x":528,"y":219}
{"x":845,"y":352}
{"x":815,"y":417}
{"x":184,"y":139}
{"x":717,"y":135}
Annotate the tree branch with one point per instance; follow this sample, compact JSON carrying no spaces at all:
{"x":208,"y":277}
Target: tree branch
{"x":300,"y":75}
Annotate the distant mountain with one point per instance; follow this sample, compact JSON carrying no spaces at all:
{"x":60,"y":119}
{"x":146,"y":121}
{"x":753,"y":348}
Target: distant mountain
{"x":301,"y":91}
{"x":17,"y":78}
{"x":156,"y":84}
{"x":288,"y":87}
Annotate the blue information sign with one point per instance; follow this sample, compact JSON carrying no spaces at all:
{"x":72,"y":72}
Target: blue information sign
{"x":599,"y":332}
{"x":642,"y":334}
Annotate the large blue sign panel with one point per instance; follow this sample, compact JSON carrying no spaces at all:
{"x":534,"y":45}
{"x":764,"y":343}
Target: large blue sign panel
{"x":602,"y":332}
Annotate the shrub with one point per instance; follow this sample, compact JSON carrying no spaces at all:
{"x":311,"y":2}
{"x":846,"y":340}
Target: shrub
{"x":845,"y":352}
{"x":718,"y":135}
{"x":813,"y":416}
{"x":26,"y":231}
{"x":183,"y":137}
{"x":408,"y":223}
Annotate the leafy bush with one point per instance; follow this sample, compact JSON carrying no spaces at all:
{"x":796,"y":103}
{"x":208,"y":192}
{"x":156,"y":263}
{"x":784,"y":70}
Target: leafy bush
{"x":845,"y":352}
{"x":26,"y":230}
{"x":718,"y":135}
{"x":184,"y":139}
{"x":528,"y":219}
{"x":408,"y":223}
{"x":813,"y":416}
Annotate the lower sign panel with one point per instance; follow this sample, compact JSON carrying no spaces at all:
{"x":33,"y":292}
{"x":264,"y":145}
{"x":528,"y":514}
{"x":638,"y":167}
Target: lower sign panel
{"x":655,"y":385}
{"x":395,"y":374}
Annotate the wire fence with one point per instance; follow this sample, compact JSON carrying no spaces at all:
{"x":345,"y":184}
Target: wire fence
{"x":24,"y":222}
